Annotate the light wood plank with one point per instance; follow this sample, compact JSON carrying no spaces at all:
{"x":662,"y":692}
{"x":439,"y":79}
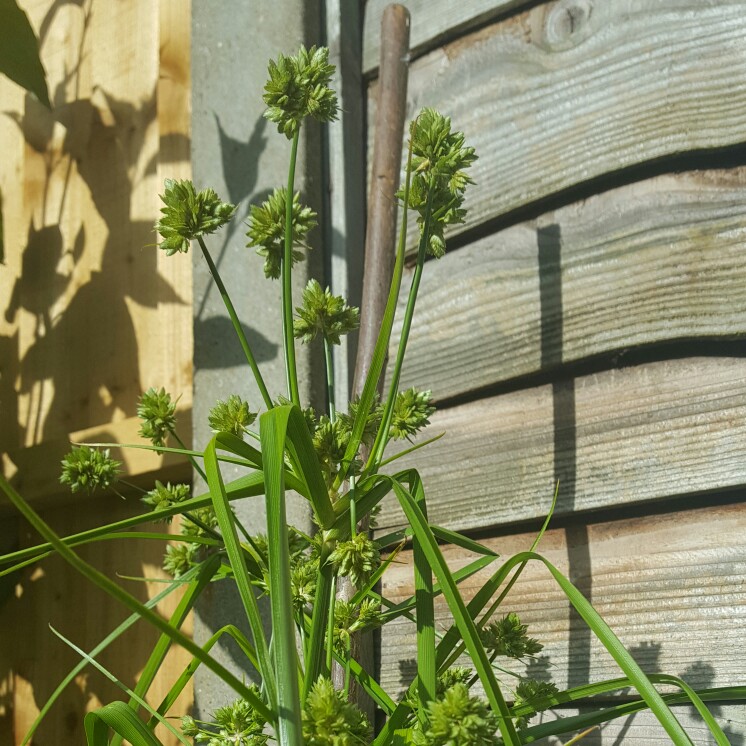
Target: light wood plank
{"x":670,"y":586}
{"x":650,"y":262}
{"x":436,"y":21}
{"x":550,"y":104}
{"x":619,"y":437}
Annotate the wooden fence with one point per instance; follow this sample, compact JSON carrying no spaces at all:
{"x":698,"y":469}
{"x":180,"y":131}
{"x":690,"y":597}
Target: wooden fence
{"x":587,"y":325}
{"x":93,"y":316}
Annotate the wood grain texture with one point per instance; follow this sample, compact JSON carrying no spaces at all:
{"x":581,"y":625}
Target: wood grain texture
{"x":654,"y":261}
{"x":437,"y":21}
{"x":671,"y":587}
{"x":642,"y":729}
{"x":567,"y":92}
{"x":619,"y":437}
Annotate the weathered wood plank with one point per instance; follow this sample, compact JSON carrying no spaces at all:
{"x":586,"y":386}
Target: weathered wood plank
{"x":643,"y":729}
{"x":618,"y":437}
{"x":436,"y":21}
{"x":670,"y":586}
{"x":550,"y":104}
{"x":654,"y":261}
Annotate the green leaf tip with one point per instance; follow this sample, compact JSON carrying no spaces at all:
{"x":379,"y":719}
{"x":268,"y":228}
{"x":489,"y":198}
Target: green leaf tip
{"x":267,"y":230}
{"x":298,"y":87}
{"x":188,"y":214}
{"x":325,"y":314}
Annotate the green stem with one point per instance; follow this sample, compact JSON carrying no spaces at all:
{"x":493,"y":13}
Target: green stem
{"x":191,"y":458}
{"x":324,"y":594}
{"x":376,"y":453}
{"x":330,"y":625}
{"x":287,"y":277}
{"x":330,"y":379}
{"x":236,"y":324}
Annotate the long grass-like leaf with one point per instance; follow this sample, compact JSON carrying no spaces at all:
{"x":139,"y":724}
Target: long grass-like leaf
{"x":237,"y":559}
{"x":186,"y":676}
{"x":273,"y":432}
{"x":93,"y":662}
{"x":250,"y":485}
{"x":120,"y":719}
{"x":188,"y":577}
{"x":108,"y":586}
{"x":461,"y":616}
{"x":155,"y":661}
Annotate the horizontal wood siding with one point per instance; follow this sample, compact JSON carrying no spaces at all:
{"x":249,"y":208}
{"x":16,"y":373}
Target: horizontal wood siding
{"x":655,"y":261}
{"x":587,"y":326}
{"x":671,"y":586}
{"x":630,"y":83}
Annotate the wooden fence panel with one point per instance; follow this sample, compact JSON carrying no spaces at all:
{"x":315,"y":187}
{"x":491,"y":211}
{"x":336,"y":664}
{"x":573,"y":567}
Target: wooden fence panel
{"x":657,"y":261}
{"x":553,"y":106}
{"x":92,"y":317}
{"x":671,"y":586}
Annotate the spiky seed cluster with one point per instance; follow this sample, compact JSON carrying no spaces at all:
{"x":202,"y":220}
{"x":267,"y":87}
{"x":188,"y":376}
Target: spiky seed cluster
{"x":439,"y":158}
{"x":188,"y":214}
{"x":412,"y":410}
{"x":267,"y":230}
{"x":299,"y":87}
{"x":372,"y":421}
{"x":86,"y":468}
{"x":533,"y":693}
{"x":325,"y":314}
{"x":184,"y":555}
{"x":350,"y":618}
{"x":303,"y":582}
{"x":237,"y":724}
{"x":163,"y":496}
{"x":330,"y":441}
{"x":508,"y":637}
{"x":330,"y":720}
{"x":179,"y":558}
{"x":157,"y":411}
{"x":458,"y":718}
{"x":357,"y":558}
{"x":231,"y":416}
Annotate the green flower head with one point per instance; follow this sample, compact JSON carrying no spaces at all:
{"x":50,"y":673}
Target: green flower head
{"x":412,"y":410}
{"x":439,"y":180}
{"x":508,"y":637}
{"x":357,"y":558}
{"x":158,"y":414}
{"x":179,"y":558}
{"x":86,"y":468}
{"x":330,"y":720}
{"x":298,"y":87}
{"x":163,"y":496}
{"x":231,"y":416}
{"x":325,"y":314}
{"x":458,"y":718}
{"x":188,"y":214}
{"x":267,"y":230}
{"x":372,"y":421}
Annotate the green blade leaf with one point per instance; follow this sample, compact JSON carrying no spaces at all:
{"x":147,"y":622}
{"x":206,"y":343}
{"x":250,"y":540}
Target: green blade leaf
{"x":240,"y":572}
{"x":121,"y":720}
{"x":108,"y":586}
{"x":273,"y":431}
{"x":461,"y":616}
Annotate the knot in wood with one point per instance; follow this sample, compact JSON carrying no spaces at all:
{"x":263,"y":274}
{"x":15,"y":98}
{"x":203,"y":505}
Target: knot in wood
{"x":567,"y":23}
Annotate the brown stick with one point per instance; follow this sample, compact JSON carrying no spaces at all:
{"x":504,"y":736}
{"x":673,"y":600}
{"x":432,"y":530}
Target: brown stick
{"x":380,"y":239}
{"x":380,"y":252}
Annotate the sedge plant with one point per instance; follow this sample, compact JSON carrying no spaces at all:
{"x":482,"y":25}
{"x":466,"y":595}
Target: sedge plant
{"x":339,"y":463}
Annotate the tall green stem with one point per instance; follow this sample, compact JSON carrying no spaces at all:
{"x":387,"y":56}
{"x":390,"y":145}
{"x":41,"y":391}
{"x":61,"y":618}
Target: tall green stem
{"x":376,"y":453}
{"x":236,"y":324}
{"x":287,"y":280}
{"x":330,"y":379}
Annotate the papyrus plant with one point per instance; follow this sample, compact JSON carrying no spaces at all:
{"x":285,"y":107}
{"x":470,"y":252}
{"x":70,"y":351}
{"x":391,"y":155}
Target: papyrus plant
{"x":338,"y":462}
